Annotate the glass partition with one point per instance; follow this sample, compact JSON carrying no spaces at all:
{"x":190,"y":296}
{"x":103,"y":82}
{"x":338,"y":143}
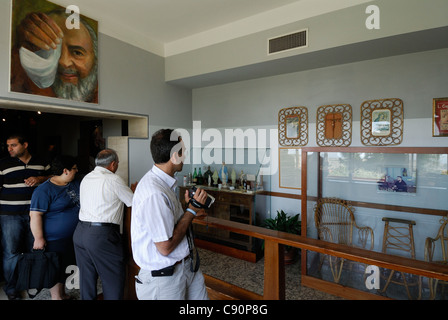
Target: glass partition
{"x":383,"y":201}
{"x":410,"y":180}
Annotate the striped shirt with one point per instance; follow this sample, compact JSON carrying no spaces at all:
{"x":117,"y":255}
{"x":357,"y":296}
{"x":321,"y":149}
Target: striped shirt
{"x":102,"y":197}
{"x":15,"y":195}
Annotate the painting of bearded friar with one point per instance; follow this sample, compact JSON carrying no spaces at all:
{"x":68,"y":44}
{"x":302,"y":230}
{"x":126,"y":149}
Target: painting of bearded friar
{"x":50,"y":57}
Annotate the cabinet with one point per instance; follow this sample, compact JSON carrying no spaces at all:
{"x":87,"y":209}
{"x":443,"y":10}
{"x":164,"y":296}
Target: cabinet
{"x":233,"y":205}
{"x":232,"y":201}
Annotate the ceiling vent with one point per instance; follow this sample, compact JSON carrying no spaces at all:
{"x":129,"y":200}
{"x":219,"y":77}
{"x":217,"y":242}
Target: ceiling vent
{"x":287,"y":42}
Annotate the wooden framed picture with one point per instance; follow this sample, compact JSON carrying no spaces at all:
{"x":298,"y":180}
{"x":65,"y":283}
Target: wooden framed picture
{"x":334,"y":125}
{"x":440,"y":117}
{"x":293,"y":127}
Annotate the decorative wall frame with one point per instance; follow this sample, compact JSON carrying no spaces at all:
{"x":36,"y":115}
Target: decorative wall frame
{"x":440,"y":117}
{"x":382,"y":122}
{"x":293,"y":127}
{"x":334,"y":125}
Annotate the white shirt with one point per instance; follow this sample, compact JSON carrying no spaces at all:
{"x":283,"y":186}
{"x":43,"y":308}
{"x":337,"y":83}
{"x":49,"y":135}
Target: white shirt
{"x":102,"y":197}
{"x":156,"y":210}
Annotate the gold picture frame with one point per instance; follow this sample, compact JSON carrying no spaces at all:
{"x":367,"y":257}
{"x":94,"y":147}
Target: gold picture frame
{"x":382,"y":122}
{"x":293,"y":127}
{"x":440,"y":117}
{"x":334,"y":125}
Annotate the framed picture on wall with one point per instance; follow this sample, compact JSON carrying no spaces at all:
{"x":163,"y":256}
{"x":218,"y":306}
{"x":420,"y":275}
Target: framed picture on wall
{"x":440,"y":117}
{"x":398,"y":179}
{"x":54,"y":51}
{"x":334,"y":125}
{"x":381,"y":122}
{"x":293,"y":126}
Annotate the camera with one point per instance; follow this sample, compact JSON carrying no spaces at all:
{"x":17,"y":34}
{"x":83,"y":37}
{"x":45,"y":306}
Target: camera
{"x":208,"y":203}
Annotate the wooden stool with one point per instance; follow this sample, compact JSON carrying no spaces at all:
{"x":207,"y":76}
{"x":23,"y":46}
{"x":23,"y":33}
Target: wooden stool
{"x":399,"y":237}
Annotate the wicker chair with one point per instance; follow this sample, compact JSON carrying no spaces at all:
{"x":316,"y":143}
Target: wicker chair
{"x":335,"y":222}
{"x":430,"y":248}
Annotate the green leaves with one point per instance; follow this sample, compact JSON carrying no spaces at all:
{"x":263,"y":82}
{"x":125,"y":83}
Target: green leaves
{"x":285,"y":223}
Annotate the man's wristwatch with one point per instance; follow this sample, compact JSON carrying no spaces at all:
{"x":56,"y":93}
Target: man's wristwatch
{"x":192,"y":211}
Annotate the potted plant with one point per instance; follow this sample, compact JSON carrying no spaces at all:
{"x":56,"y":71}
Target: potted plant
{"x":291,"y":224}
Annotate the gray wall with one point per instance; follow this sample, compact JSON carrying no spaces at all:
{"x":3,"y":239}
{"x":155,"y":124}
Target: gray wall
{"x":327,"y":33}
{"x":415,"y":78}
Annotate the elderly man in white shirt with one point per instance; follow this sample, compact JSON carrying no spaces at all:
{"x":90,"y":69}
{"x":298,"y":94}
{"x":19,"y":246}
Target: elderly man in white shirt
{"x":160,"y":228}
{"x":97,"y":238}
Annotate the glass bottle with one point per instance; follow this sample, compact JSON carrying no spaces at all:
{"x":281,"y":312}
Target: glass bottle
{"x":195,"y":177}
{"x":200,"y":178}
{"x":208,"y":176}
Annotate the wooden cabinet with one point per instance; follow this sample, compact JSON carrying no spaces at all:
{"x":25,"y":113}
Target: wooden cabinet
{"x":230,"y":205}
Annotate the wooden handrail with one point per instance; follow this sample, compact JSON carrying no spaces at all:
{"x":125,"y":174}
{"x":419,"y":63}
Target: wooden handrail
{"x":374,"y":149}
{"x":381,"y":206}
{"x":274,"y":269}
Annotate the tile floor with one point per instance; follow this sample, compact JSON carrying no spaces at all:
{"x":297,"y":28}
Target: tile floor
{"x":250,"y":276}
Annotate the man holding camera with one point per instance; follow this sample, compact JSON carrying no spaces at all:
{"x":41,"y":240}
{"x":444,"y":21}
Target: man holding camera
{"x":161,"y":236}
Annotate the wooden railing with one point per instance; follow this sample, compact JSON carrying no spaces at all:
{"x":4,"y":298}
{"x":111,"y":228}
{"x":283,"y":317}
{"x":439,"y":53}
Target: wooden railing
{"x":274,"y":271}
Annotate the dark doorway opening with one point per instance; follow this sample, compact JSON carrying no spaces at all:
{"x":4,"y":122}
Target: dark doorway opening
{"x":52,"y":134}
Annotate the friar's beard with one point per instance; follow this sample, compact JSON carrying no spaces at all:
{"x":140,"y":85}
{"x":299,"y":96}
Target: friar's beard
{"x":83,"y":91}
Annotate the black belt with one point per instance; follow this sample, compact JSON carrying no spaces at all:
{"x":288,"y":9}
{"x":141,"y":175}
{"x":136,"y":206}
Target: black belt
{"x":98,"y":224}
{"x":168,"y":271}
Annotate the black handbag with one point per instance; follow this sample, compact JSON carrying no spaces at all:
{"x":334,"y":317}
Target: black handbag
{"x":37,"y":270}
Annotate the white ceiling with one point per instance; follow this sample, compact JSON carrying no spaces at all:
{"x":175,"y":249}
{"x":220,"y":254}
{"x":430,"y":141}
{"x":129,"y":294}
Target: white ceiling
{"x":168,"y":27}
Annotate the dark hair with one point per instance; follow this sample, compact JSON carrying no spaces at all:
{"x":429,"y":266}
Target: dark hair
{"x":62,"y":162}
{"x":19,"y":136}
{"x":163,"y":145}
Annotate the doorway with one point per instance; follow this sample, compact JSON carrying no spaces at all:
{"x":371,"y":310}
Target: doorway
{"x":54,"y":130}
{"x":51,"y":135}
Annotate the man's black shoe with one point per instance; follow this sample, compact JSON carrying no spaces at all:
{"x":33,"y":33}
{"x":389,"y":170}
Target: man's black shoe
{"x":13,"y":297}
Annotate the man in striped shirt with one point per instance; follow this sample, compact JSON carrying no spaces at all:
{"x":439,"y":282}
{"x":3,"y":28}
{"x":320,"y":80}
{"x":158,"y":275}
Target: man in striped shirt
{"x":20,"y":174}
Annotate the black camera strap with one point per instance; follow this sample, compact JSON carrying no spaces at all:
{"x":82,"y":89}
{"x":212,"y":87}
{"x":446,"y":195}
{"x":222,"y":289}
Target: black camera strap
{"x":196,"y":204}
{"x":194,"y":255}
